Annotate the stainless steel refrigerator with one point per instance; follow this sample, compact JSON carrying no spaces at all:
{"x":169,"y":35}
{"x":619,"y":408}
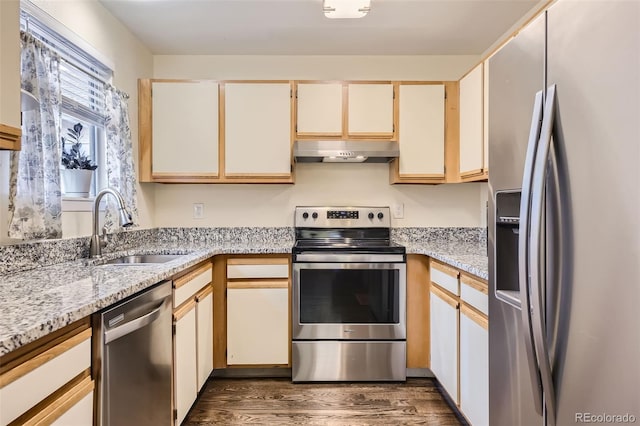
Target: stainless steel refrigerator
{"x":564,"y":218}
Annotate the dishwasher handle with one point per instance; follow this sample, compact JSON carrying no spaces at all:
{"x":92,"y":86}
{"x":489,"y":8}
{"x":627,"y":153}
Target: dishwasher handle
{"x":133,"y":325}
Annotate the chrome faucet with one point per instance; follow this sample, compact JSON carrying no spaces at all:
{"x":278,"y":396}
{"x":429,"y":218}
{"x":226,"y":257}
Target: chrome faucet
{"x":97,"y":242}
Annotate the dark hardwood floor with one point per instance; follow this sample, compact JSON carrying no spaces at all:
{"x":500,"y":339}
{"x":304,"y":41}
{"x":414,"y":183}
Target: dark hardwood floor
{"x":278,"y":401}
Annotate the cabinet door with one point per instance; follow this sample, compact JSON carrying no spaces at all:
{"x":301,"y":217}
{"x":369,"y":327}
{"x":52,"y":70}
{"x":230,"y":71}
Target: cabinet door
{"x":184,"y":130}
{"x":257,"y":130}
{"x":204,"y":311}
{"x":444,"y":341}
{"x":421,"y":130}
{"x":319,"y":109}
{"x":474,"y":366}
{"x":370,"y":110}
{"x":185,"y":363}
{"x":485,"y":115}
{"x":10,"y":75}
{"x":79,"y":414}
{"x":471,"y":124}
{"x":257,"y":326}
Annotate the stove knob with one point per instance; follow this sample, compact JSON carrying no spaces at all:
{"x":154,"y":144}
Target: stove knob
{"x":305,"y":215}
{"x":371,"y":216}
{"x":380,"y":215}
{"x":314,"y":215}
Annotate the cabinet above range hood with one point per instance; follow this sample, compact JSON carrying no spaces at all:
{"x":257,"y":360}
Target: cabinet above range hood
{"x":340,"y":151}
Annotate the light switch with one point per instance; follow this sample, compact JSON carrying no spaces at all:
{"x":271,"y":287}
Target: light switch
{"x":198,"y":210}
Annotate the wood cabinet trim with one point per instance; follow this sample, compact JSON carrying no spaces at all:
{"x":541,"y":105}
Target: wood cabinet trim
{"x":10,"y":137}
{"x":258,"y":261}
{"x":446,"y":297}
{"x":445,"y":268}
{"x":202,"y":294}
{"x":29,"y":364}
{"x":262,"y":283}
{"x":31,"y":350}
{"x":475,"y":283}
{"x":219,"y":311}
{"x":475,"y":315}
{"x":145,"y":126}
{"x":190,"y":275}
{"x":452,"y":131}
{"x":55,"y":405}
{"x":418,"y":314}
{"x":184,"y":309}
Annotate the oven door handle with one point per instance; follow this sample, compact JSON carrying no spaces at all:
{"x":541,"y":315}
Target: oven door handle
{"x":351,"y":257}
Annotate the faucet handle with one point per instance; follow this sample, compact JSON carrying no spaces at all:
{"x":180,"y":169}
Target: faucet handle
{"x":104,"y":240}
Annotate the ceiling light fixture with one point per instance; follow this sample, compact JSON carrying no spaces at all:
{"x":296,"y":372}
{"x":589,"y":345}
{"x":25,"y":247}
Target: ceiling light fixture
{"x":340,"y":9}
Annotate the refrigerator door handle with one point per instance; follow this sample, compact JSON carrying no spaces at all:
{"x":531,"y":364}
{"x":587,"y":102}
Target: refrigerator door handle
{"x":537,"y":274}
{"x":524,"y":249}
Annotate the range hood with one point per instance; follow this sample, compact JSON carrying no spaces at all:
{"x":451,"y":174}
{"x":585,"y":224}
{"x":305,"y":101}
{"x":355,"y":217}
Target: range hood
{"x":339,"y":151}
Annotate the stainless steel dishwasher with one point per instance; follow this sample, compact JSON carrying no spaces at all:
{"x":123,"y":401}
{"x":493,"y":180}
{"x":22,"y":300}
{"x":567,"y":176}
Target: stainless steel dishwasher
{"x":134,"y":353}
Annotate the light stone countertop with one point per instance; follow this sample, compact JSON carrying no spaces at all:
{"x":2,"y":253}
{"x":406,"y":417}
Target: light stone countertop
{"x":37,"y":302}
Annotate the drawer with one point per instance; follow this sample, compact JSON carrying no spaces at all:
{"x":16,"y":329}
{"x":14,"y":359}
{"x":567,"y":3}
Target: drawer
{"x":30,"y":382}
{"x":188,"y":285}
{"x":258,"y":268}
{"x":446,"y":277}
{"x":474,"y":293}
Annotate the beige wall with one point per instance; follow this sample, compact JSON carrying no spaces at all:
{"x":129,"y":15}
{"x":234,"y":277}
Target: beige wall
{"x":90,"y":21}
{"x":320,"y":184}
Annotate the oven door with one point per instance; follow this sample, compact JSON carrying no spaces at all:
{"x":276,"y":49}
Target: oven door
{"x":349,"y":301}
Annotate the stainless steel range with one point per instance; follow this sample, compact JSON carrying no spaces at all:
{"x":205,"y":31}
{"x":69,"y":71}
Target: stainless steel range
{"x":349,"y":296}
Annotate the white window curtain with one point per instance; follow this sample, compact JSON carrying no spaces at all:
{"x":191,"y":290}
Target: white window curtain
{"x":34,"y":192}
{"x":121,"y":173}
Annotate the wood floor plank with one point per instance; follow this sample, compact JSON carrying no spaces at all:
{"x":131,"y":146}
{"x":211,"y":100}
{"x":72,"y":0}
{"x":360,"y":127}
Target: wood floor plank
{"x":280,"y":402}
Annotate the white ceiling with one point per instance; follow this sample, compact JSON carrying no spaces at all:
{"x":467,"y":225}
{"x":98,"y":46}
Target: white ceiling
{"x":298,"y":27}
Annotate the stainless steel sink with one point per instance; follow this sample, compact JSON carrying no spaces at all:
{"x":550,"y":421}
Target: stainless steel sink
{"x":142,"y":259}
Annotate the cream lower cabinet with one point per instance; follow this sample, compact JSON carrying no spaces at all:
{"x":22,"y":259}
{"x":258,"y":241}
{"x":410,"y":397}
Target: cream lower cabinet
{"x":192,"y":336}
{"x":474,"y":366}
{"x":444,"y":340}
{"x":258,"y":311}
{"x":185,"y":361}
{"x":51,"y":383}
{"x":460,"y":339}
{"x":204,"y":328}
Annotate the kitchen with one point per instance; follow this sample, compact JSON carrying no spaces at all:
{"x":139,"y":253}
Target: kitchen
{"x":272,"y":206}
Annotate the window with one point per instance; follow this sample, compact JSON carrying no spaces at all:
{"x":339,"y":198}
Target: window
{"x":82,"y":78}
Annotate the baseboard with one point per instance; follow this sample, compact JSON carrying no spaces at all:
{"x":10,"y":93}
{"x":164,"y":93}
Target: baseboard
{"x":419,"y":372}
{"x":286,"y":372}
{"x":251,"y":372}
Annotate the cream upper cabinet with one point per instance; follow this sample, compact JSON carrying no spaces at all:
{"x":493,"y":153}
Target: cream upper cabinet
{"x":346,"y":110}
{"x":184,"y":131}
{"x":10,"y":74}
{"x":370,"y":110}
{"x":257,"y":130}
{"x":319,"y":109}
{"x":421,"y":131}
{"x":485,"y":122}
{"x":472,"y":124}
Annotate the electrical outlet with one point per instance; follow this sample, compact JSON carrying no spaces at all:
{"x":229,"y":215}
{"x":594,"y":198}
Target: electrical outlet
{"x":198,"y":210}
{"x":398,"y":211}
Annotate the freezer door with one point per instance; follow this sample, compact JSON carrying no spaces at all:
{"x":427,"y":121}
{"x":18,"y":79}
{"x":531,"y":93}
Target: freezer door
{"x":594,"y":59}
{"x":516,"y":74}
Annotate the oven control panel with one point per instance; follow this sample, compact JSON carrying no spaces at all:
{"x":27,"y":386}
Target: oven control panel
{"x":343,"y":214}
{"x":342,"y":217}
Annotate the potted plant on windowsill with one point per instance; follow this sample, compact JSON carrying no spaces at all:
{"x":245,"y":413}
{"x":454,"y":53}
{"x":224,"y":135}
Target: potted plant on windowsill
{"x":78,"y":168}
